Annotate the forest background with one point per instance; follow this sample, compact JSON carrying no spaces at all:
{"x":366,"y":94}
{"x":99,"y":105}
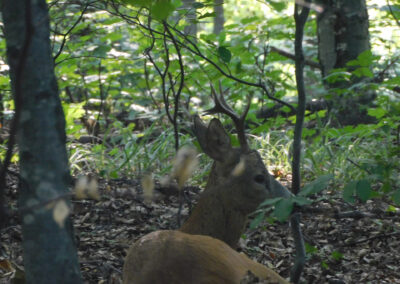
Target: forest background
{"x":131,"y":74}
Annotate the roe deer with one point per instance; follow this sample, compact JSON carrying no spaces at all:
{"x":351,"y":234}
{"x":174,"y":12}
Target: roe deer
{"x":196,"y":253}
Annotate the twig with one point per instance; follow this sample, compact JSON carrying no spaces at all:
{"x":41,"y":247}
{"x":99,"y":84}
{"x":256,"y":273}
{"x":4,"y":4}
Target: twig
{"x":146,"y":77}
{"x":358,"y":166}
{"x":391,"y":12}
{"x":379,"y":236}
{"x":196,"y":51}
{"x":354,"y":214}
{"x":64,"y":40}
{"x":177,"y":95}
{"x":289,"y":55}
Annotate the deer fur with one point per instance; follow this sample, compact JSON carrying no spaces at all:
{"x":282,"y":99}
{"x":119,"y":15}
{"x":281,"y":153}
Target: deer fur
{"x":173,"y":257}
{"x":201,"y":250}
{"x":227,"y":199}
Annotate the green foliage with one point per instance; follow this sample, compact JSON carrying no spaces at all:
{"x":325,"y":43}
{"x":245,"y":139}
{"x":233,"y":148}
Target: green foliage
{"x":224,"y":54}
{"x":349,"y":191}
{"x":316,"y":186}
{"x":105,"y":59}
{"x":72,"y":113}
{"x":159,"y":9}
{"x":279,"y":6}
{"x":363,"y":190}
{"x":257,"y":220}
{"x":162,"y":9}
{"x":337,"y":256}
{"x":283,"y":208}
{"x":310,"y":250}
{"x":324,"y":265}
{"x":364,"y":59}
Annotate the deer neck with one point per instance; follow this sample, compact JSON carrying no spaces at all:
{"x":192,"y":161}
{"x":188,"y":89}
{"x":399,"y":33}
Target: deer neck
{"x":214,"y":216}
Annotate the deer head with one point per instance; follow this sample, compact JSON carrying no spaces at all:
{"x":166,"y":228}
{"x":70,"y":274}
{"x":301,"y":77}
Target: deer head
{"x":238,"y":182}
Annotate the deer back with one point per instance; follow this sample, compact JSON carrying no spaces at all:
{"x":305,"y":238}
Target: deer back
{"x":179,"y":258}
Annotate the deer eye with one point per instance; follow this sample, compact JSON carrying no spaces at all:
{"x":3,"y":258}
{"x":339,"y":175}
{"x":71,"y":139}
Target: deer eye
{"x":259,"y":178}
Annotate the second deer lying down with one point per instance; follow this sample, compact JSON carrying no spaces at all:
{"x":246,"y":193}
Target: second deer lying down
{"x":196,"y":253}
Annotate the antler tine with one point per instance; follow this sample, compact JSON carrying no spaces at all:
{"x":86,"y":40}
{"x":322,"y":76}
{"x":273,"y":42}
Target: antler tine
{"x":222,"y":107}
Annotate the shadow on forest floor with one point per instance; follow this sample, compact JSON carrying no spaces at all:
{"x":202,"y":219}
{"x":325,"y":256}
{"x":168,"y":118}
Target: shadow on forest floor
{"x":341,"y":250}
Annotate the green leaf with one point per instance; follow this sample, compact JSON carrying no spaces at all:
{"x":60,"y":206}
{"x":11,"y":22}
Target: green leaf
{"x":138,"y":3}
{"x":162,"y":9}
{"x":396,"y":196}
{"x":349,"y":191}
{"x":337,"y":255}
{"x":377,"y":112}
{"x":249,"y":20}
{"x":73,"y":111}
{"x":198,"y":5}
{"x":310,"y":249}
{"x":279,"y":6}
{"x":317,"y":185}
{"x":301,"y":201}
{"x":269,"y":202}
{"x":324,"y":265}
{"x":364,"y":59}
{"x":338,"y":75}
{"x":113,"y":152}
{"x":283,"y":209}
{"x":257,"y":220}
{"x":114,"y":174}
{"x":363,"y":72}
{"x":101,"y":50}
{"x":363,"y":189}
{"x":206,"y":15}
{"x":224,"y":54}
{"x":263,"y":128}
{"x":393,"y":81}
{"x":4,"y":80}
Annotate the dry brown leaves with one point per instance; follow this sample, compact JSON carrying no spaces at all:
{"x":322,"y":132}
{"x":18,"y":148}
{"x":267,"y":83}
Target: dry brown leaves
{"x":105,"y":229}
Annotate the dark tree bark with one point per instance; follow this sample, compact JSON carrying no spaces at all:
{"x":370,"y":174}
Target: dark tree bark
{"x":49,"y":248}
{"x":300,"y":17}
{"x":219,"y":19}
{"x":191,"y":29}
{"x":343,"y":35}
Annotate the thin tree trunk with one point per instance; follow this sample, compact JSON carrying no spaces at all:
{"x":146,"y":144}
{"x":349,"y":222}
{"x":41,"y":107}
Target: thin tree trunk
{"x":219,"y":19}
{"x":191,"y":29}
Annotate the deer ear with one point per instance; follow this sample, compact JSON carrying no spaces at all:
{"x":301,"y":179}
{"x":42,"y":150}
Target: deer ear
{"x":213,"y":139}
{"x":200,"y":130}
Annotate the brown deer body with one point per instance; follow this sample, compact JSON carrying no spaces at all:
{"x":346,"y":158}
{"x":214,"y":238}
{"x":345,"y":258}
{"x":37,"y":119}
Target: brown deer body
{"x":173,"y":257}
{"x":196,"y":253}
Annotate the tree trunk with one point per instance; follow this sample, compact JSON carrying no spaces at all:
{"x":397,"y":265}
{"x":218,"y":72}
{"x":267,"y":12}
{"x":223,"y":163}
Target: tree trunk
{"x":219,"y":19}
{"x":190,"y":29}
{"x":49,"y":248}
{"x":342,"y":33}
{"x":342,"y":36}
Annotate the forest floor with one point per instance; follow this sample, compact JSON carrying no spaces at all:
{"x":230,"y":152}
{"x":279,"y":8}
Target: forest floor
{"x":342,"y":250}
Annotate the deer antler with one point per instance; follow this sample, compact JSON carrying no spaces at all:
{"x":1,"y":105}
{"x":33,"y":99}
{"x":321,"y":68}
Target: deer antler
{"x":222,"y":107}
